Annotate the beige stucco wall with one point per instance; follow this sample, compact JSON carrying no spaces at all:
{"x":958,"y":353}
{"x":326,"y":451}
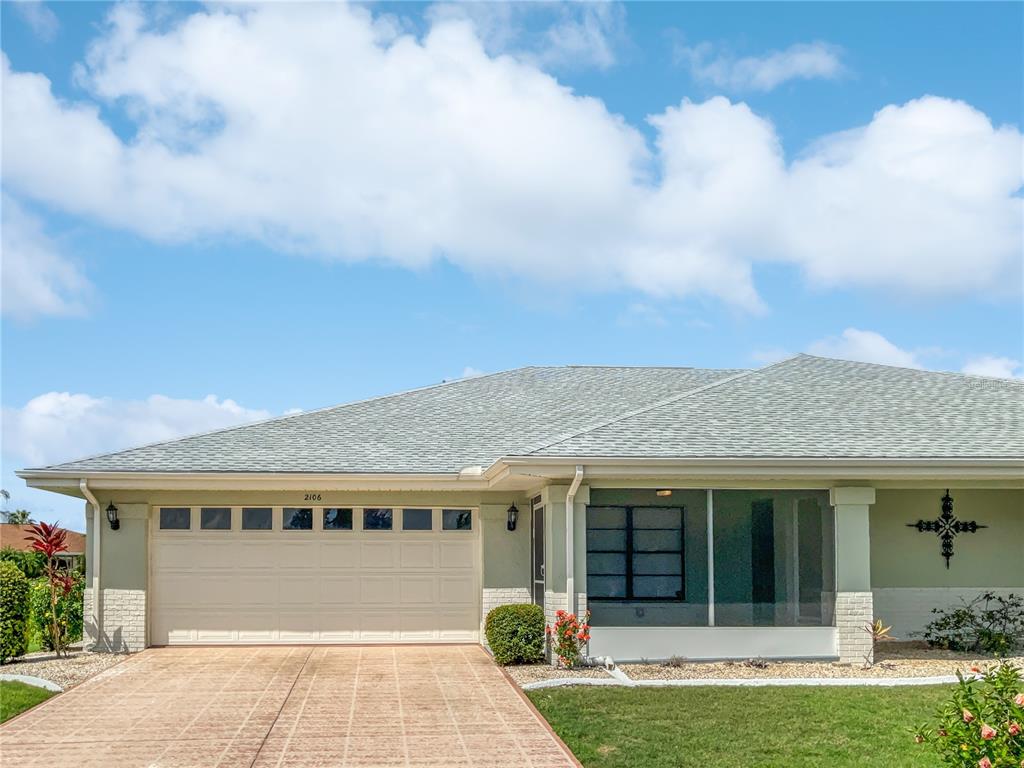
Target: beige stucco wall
{"x":903,"y":557}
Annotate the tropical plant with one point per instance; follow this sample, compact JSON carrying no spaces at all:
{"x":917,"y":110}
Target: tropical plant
{"x":30,"y":563}
{"x":17,"y":517}
{"x":991,"y":623}
{"x":568,"y":637}
{"x":515,"y":633}
{"x":982,"y":725}
{"x":51,"y":540}
{"x":13,"y":611}
{"x":876,"y":631}
{"x":69,"y":611}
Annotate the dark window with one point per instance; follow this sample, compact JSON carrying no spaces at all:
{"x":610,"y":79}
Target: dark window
{"x":215,"y":518}
{"x":417,"y":519}
{"x":457,"y":520}
{"x":635,"y":553}
{"x":337,"y":519}
{"x":376,"y":519}
{"x":257,"y":518}
{"x":297,"y":519}
{"x":175,"y":518}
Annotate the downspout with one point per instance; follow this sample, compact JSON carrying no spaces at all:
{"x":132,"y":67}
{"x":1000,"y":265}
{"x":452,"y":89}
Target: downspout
{"x":570,"y":555}
{"x":97,"y":531}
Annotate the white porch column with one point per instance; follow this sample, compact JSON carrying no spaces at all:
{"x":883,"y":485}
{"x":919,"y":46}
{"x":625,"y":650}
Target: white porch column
{"x":555,"y":566}
{"x":854,"y":608}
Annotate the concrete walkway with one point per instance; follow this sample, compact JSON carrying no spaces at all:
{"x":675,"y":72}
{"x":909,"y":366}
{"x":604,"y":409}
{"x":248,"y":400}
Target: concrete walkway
{"x":291,"y":707}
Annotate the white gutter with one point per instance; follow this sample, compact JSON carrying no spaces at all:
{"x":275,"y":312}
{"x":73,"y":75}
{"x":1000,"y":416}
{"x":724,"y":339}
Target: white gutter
{"x":570,"y":558}
{"x":97,"y":532}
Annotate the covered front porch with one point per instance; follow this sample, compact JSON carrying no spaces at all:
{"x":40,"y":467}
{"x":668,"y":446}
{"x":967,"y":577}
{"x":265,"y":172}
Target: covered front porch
{"x":776,"y":572}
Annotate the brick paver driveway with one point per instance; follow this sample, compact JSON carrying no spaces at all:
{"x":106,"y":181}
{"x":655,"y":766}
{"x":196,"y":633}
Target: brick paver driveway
{"x":288,"y":706}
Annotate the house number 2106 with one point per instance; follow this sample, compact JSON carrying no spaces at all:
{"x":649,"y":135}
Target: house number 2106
{"x":311,"y":497}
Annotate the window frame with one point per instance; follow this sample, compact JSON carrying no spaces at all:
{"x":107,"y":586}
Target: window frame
{"x":312,"y":519}
{"x":362,"y":519}
{"x":241,"y":521}
{"x":459,"y":511}
{"x":159,"y":520}
{"x":629,"y":552}
{"x":351,"y":519}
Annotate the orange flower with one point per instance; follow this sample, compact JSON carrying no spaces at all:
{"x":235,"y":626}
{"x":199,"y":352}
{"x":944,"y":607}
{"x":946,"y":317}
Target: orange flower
{"x":1013,"y":729}
{"x":988,"y":732}
{"x":1019,"y":701}
{"x":968,"y":717}
{"x":984,"y":763}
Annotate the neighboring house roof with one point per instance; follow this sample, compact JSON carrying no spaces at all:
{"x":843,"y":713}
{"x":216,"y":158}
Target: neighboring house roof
{"x":15,"y":537}
{"x":802,"y":407}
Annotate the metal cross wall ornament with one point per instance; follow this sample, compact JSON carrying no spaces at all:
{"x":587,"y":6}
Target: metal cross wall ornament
{"x":947,"y":526}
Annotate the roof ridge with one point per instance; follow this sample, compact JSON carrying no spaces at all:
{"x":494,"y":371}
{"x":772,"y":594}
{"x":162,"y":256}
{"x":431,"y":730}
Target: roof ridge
{"x":283,"y":417}
{"x":664,"y":401}
{"x":955,"y":374}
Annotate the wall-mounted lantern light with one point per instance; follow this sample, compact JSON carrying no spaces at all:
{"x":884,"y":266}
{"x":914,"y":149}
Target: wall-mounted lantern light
{"x":513,"y":516}
{"x":112,"y":517}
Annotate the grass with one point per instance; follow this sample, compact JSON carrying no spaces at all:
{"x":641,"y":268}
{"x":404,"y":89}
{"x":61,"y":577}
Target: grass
{"x":785,"y":727}
{"x":16,"y":697}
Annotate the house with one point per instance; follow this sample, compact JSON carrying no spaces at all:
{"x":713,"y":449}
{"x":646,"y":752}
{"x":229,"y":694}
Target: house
{"x":16,"y":537}
{"x":704,"y":513}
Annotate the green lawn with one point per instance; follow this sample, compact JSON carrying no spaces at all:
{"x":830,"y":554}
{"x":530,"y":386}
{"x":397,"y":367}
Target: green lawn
{"x":784,"y":727}
{"x":16,"y":697}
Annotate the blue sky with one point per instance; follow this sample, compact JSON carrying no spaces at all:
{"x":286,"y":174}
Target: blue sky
{"x":388,"y":196}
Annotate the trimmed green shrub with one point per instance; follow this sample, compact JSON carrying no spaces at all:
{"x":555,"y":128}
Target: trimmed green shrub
{"x":30,"y":563}
{"x":13,"y":611}
{"x":515,"y":633}
{"x":69,"y":611}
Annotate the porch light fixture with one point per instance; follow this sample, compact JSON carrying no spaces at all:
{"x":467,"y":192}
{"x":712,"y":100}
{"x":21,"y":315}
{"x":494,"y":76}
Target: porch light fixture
{"x":664,"y":491}
{"x":513,"y":516}
{"x":112,"y":517}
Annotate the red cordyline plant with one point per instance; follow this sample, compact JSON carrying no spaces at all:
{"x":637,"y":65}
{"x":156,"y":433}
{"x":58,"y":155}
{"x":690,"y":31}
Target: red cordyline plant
{"x":568,"y":637}
{"x":51,"y":540}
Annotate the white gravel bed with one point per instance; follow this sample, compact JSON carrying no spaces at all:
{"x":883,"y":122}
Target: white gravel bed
{"x":67,"y":671}
{"x":524,"y":674}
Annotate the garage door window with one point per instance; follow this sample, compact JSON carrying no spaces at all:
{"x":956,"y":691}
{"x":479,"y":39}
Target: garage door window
{"x":417,"y":519}
{"x":257,"y":518}
{"x":377,"y":519}
{"x":175,"y":519}
{"x":457,"y":520}
{"x":215,"y":519}
{"x":297,"y":519}
{"x":337,"y":519}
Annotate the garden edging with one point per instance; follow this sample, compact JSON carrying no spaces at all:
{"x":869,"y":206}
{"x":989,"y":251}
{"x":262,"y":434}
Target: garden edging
{"x":621,"y":679}
{"x":37,"y":682}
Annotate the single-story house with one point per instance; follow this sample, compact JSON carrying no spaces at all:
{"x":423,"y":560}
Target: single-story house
{"x":16,"y":536}
{"x":701,"y":513}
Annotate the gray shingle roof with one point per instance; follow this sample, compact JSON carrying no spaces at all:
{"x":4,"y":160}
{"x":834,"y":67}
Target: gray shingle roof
{"x":803,"y":407}
{"x":821,"y":408}
{"x":443,"y":428}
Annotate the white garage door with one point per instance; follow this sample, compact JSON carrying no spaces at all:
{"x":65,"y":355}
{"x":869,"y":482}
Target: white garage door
{"x":314,"y":575}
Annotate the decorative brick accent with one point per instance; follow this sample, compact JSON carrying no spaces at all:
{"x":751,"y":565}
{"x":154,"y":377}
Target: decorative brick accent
{"x":124,"y":621}
{"x":854,"y":610}
{"x":492,"y":598}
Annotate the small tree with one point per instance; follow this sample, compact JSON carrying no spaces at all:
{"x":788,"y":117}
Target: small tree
{"x":51,"y":540}
{"x":18,"y":517}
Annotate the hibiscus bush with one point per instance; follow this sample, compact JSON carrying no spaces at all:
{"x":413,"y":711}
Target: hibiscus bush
{"x":981,"y":725}
{"x":568,"y":637}
{"x":989,"y":623}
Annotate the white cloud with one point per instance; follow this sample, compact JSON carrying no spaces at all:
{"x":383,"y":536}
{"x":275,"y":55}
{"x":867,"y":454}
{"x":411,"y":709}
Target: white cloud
{"x":992,"y":365}
{"x":59,"y":426}
{"x":571,"y":36}
{"x":469,"y":372}
{"x":37,"y":278}
{"x":43,"y":22}
{"x":802,"y":61}
{"x":865,"y":347}
{"x":320,"y":129}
